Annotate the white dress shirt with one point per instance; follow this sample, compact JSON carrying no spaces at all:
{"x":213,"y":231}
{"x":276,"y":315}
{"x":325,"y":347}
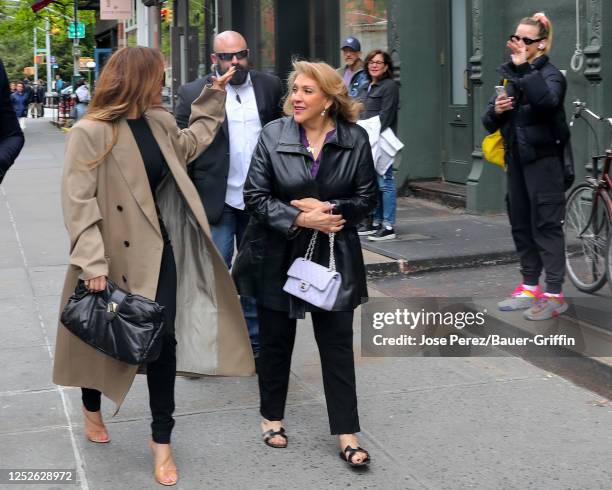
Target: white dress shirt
{"x":83,"y":94}
{"x":244,"y":128}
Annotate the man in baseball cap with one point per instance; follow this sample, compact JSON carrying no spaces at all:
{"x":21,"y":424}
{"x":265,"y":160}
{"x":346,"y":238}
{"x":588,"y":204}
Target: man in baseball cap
{"x":353,"y":72}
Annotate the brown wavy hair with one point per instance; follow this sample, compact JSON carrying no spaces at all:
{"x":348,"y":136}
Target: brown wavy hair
{"x":332,"y":85}
{"x":132,"y":78}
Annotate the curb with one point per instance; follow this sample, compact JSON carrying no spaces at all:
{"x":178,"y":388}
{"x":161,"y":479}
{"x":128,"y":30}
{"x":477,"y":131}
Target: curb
{"x":403,"y":266}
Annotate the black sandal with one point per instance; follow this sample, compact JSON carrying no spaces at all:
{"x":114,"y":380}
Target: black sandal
{"x":351,"y":454}
{"x":270,"y":434}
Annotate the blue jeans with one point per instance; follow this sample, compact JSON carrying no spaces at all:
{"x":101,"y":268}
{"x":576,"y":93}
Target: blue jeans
{"x":227,"y":234}
{"x":81,"y":109}
{"x":387,"y":199}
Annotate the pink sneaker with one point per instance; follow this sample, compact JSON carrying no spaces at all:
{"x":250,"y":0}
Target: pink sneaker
{"x":547,"y":307}
{"x":520,"y":299}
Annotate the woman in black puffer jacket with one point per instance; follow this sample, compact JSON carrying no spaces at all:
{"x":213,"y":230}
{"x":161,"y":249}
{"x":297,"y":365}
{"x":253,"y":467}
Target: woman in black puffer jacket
{"x":532,"y":120}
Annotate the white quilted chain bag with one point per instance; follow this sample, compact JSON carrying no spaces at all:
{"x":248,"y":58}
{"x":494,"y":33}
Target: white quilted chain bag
{"x":312,"y":282}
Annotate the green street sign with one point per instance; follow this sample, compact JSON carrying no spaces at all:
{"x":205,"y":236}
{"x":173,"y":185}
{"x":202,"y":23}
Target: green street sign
{"x":80,"y":30}
{"x":41,"y":50}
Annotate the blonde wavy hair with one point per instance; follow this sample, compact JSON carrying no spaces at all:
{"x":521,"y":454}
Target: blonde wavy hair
{"x":332,"y":85}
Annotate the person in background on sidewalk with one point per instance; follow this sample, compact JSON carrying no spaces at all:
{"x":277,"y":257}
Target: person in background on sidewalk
{"x":38,"y":99}
{"x":253,"y":100}
{"x":20,"y":104}
{"x":11,"y":136}
{"x":59,"y":84}
{"x":13,"y":87}
{"x":532,"y":120}
{"x":29,"y":91}
{"x":353,"y":72}
{"x":82,"y":98}
{"x":134,"y":217}
{"x":380,"y":97}
{"x":305,"y":166}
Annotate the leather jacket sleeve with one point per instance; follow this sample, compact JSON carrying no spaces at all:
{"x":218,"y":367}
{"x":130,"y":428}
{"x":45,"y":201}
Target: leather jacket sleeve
{"x":355,"y":209}
{"x":258,"y":194}
{"x":390,"y":104}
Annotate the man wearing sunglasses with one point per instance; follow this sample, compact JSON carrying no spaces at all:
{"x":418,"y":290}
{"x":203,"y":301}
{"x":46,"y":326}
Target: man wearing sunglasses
{"x":253,"y":100}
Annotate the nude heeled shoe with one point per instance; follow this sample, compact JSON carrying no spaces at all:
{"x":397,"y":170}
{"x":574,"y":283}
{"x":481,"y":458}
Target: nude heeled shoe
{"x":164,"y":475}
{"x":94,"y":431}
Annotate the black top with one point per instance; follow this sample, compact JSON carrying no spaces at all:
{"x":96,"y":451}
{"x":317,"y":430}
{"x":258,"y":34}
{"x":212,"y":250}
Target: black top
{"x":154,"y":161}
{"x":153,"y":158}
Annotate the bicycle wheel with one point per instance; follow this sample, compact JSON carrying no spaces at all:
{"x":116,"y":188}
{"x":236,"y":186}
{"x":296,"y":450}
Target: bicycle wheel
{"x":587,"y":223}
{"x":609,"y":261}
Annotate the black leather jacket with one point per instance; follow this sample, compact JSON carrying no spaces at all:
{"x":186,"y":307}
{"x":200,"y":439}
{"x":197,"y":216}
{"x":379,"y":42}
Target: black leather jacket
{"x":279,"y":173}
{"x":536,"y":127}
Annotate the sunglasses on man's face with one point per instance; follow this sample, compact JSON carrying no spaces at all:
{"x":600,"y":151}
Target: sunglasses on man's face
{"x":229,"y":56}
{"x":527,"y":40}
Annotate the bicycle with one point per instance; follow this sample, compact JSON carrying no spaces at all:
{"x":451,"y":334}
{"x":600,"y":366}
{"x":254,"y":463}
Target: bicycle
{"x":588,"y":219}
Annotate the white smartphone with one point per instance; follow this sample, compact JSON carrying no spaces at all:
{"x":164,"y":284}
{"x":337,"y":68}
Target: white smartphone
{"x":500,"y":90}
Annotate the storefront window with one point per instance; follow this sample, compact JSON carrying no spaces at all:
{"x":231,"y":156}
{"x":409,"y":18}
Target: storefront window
{"x":367,"y":21}
{"x":459,"y":51}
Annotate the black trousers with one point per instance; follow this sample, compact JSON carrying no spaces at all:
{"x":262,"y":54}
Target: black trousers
{"x":334,"y":335}
{"x":536,"y":207}
{"x":161,"y":374}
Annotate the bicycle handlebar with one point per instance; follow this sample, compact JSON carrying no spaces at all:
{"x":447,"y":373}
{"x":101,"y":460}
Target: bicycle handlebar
{"x":580,"y":107}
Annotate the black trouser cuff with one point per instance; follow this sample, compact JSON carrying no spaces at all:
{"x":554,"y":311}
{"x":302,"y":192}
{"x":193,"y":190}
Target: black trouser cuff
{"x":92,"y":399}
{"x":553,"y":288}
{"x":531,"y":280}
{"x":347,"y":429}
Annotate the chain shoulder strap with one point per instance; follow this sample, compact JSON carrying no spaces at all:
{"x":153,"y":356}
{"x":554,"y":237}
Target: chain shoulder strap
{"x":311,"y":247}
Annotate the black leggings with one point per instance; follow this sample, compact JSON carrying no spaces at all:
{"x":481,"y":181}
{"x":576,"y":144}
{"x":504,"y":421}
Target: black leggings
{"x":334,"y":335}
{"x":161,"y":373}
{"x":160,"y":379}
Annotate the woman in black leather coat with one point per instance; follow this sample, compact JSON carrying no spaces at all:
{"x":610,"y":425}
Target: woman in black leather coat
{"x":312,"y":170}
{"x":532,"y":120}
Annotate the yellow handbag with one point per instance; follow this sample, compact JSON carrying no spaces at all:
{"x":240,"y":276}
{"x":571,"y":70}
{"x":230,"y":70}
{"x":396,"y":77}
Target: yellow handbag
{"x":493,"y":146}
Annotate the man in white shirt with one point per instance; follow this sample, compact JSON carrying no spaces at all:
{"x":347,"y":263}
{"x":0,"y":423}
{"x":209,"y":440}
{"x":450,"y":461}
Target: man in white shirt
{"x":253,"y":100}
{"x":82,"y":98}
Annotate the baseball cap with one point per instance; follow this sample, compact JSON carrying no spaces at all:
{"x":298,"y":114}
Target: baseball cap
{"x":351,"y":42}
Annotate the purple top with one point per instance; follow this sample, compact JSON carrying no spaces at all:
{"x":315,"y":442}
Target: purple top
{"x":317,"y":163}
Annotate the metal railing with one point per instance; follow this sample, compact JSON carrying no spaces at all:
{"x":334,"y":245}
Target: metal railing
{"x":63,"y":108}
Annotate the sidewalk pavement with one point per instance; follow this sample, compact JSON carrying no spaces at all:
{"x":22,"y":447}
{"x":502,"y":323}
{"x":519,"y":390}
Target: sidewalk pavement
{"x":434,"y":237}
{"x":429,"y":423}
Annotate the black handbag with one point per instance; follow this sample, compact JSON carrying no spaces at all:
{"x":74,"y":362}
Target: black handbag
{"x":127,"y":327}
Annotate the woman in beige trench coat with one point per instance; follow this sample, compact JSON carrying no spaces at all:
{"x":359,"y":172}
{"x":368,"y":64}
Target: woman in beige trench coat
{"x":126,"y":150}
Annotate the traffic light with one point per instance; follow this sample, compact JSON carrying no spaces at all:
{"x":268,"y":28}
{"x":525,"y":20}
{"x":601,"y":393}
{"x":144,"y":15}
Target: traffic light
{"x":166,"y":15}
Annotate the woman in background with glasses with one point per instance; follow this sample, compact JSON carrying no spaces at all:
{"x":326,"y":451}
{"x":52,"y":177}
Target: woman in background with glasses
{"x":530,"y":114}
{"x":380,"y":98}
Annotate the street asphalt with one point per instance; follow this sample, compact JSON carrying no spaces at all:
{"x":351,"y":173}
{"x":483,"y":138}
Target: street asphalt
{"x":429,"y":423}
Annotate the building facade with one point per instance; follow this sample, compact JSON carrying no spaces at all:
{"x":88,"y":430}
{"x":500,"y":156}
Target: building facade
{"x":446,"y":54}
